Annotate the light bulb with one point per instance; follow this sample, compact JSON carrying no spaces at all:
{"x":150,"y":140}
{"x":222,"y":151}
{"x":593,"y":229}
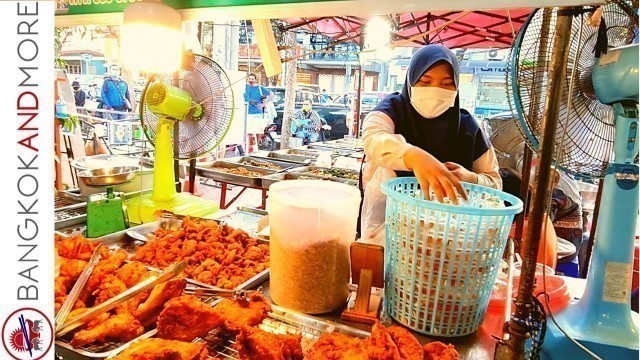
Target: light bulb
{"x":152,"y":39}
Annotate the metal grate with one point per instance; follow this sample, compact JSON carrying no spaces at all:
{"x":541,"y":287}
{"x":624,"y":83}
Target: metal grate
{"x":66,"y":214}
{"x":61,"y":201}
{"x":282,"y":322}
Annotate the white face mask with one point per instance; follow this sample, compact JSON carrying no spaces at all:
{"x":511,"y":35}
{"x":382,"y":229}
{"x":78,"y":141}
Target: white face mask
{"x":432,"y":101}
{"x":115,"y":73}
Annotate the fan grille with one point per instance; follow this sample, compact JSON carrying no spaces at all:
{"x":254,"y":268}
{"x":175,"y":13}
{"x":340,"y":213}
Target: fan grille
{"x":209,"y":86}
{"x":584,"y":139}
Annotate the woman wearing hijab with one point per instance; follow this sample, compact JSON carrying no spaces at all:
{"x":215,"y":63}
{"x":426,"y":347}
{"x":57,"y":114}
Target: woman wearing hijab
{"x":422,"y":131}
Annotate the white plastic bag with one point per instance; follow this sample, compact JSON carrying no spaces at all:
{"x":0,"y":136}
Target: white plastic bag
{"x":373,"y":208}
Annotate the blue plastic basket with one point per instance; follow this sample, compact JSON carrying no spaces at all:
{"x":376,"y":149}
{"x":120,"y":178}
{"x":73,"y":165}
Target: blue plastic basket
{"x":441,"y":260}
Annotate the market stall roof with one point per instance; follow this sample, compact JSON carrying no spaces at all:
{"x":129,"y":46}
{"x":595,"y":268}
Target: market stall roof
{"x":479,"y":29}
{"x":90,"y":13}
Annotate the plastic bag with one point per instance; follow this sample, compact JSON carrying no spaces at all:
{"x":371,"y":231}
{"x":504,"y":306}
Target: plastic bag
{"x":374,"y":206}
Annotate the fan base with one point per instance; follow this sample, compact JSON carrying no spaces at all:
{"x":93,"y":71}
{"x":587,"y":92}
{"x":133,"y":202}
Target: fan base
{"x":142,"y":208}
{"x":558,"y":346}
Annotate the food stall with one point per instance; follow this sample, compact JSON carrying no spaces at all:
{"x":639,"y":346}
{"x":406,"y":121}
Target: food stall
{"x":274,"y":282}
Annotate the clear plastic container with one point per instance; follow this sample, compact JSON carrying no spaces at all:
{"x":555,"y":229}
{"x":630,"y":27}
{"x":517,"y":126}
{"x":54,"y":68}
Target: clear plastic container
{"x":312,"y":225}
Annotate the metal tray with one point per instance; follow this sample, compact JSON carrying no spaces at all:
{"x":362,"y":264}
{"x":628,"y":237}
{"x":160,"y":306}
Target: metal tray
{"x":120,"y":240}
{"x":65,"y":200}
{"x":339,"y":145}
{"x":286,"y":157}
{"x":245,"y":218}
{"x":205,"y":170}
{"x":304,"y":169}
{"x":68,"y":352}
{"x":335,"y":151}
{"x":281,"y":164}
{"x":269,"y":180}
{"x":70,"y":216}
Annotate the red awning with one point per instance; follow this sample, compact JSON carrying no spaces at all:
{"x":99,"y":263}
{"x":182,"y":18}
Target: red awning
{"x":480,"y":29}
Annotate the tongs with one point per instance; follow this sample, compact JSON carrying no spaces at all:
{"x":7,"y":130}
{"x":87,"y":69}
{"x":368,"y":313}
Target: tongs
{"x":149,"y":283}
{"x":220,"y":293}
{"x":61,"y":317}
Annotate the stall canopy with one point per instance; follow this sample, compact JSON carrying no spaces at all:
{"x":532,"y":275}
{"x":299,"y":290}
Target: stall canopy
{"x":478,"y":29}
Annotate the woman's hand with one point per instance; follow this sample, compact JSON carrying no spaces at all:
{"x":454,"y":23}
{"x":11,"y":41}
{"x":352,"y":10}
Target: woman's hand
{"x":433,"y":175}
{"x":461,"y":173}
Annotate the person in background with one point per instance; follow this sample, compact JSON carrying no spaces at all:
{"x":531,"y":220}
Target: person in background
{"x":94,"y":92}
{"x":324,"y":97}
{"x":307,"y":113}
{"x":566,"y":214}
{"x":115,"y":94}
{"x":257,"y":97}
{"x":79,"y":94}
{"x":423,"y":132}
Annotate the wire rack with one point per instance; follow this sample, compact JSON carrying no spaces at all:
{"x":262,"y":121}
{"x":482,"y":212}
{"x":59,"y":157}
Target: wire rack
{"x":284,"y":322}
{"x":61,"y":200}
{"x":70,"y":213}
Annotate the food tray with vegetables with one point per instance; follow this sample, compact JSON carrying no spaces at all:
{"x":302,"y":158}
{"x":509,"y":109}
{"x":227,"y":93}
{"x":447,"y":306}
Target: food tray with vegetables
{"x":269,"y":180}
{"x":280,"y":155}
{"x":335,"y":150}
{"x":233,"y":173}
{"x":336,"y":173}
{"x":270,"y":164}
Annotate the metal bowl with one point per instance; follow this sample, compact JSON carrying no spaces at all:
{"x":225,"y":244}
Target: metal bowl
{"x":108,"y":176}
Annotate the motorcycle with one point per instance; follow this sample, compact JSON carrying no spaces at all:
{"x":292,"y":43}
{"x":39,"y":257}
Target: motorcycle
{"x":300,"y":128}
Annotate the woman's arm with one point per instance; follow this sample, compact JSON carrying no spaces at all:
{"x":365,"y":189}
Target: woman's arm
{"x":487,"y":169}
{"x":387,"y":149}
{"x":382,"y":146}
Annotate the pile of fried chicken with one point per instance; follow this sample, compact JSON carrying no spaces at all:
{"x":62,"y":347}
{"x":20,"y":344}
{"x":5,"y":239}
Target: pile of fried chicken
{"x":186,"y":319}
{"x":110,"y":277}
{"x":217,"y":255}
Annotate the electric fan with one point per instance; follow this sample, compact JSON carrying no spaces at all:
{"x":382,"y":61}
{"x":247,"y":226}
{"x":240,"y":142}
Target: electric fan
{"x":597,"y":137}
{"x":506,"y":141}
{"x":184,"y":115}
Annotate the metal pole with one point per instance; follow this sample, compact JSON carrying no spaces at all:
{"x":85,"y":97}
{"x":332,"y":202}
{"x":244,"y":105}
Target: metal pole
{"x":524,"y":192}
{"x":192,"y":176}
{"x":592,"y":233}
{"x":514,"y":346}
{"x":356,"y":125}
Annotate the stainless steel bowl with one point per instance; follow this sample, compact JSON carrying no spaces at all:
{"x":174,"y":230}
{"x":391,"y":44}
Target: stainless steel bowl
{"x":108,"y":176}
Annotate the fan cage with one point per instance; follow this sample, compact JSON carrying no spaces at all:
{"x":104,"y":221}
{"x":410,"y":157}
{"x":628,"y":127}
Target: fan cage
{"x":585,"y":135}
{"x":208,"y":85}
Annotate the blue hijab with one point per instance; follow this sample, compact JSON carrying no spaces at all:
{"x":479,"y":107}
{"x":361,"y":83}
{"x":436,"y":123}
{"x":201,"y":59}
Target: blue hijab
{"x":453,"y":136}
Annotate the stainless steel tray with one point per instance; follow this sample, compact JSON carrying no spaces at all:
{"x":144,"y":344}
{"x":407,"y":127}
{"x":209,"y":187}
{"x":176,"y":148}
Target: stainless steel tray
{"x":205,"y":170}
{"x":66,"y":200}
{"x":245,"y":218}
{"x":282,"y":165}
{"x":305,"y":169}
{"x":70,"y":216}
{"x":269,"y":180}
{"x":335,"y":151}
{"x":286,"y":157}
{"x":120,"y":240}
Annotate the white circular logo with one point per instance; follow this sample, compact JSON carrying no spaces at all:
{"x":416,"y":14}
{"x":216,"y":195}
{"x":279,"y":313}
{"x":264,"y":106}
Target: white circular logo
{"x":27,"y":334}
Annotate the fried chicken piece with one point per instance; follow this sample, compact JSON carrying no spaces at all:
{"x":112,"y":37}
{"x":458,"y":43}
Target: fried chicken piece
{"x":110,"y":287}
{"x":130,"y":306}
{"x":71,"y":268}
{"x":440,"y":351}
{"x":160,"y":349}
{"x":185,"y":318}
{"x":132,"y":273}
{"x":408,"y":345}
{"x":380,"y":345}
{"x":336,"y":346}
{"x":103,"y":268}
{"x":76,"y":247}
{"x":120,"y":328}
{"x":238,"y":313}
{"x":160,"y":294}
{"x":256,"y":344}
